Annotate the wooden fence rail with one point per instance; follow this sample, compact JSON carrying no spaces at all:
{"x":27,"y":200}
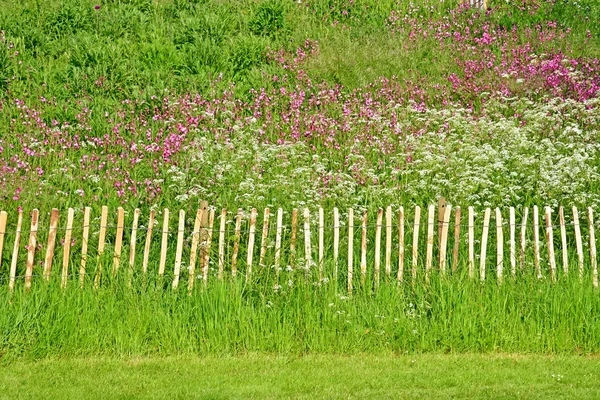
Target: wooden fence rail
{"x":187,"y":245}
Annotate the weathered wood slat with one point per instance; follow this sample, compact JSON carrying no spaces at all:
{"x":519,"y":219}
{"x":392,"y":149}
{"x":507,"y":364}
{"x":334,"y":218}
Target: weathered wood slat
{"x":208,"y":243}
{"x":67,"y":248}
{"x":101,"y":244}
{"x":484,"y":239}
{"x":578,"y":242}
{"x":164,"y":243}
{"x":263,"y":241}
{"x":194,"y":249}
{"x":148,"y":243}
{"x":377,"y":265}
{"x":444,"y":238}
{"x":278,"y":237}
{"x":593,"y":260}
{"x":523,"y":237}
{"x":388,"y":243}
{"x":307,"y":247}
{"x":251,"y":235}
{"x":350,"y":248}
{"x":236,"y":242}
{"x":3,"y":220}
{"x":118,"y":240}
{"x":415,"y":243}
{"x":336,"y":243}
{"x":536,"y":242}
{"x":499,"y":247}
{"x":400,"y":276}
{"x":51,"y":243}
{"x":179,"y":249}
{"x":222,"y":244}
{"x":85,"y":237}
{"x":35,"y":219}
{"x":363,"y":248}
{"x":133,"y":244}
{"x":471,"y":239}
{"x":457,"y":216}
{"x":321,"y":241}
{"x":430,"y":228}
{"x":15,"y":254}
{"x":563,"y":239}
{"x":513,"y":255}
{"x":550,"y":242}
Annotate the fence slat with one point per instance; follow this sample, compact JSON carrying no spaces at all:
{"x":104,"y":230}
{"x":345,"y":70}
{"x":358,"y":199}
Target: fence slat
{"x":563,"y":239}
{"x":400,"y":276}
{"x":263,"y":242}
{"x":208,"y":242}
{"x":133,"y":244}
{"x":278,"y":242}
{"x":336,"y":243}
{"x":307,"y":248}
{"x":251,"y":235}
{"x":499,"y":247}
{"x":321,"y":241}
{"x":430,"y":227}
{"x":593,"y":261}
{"x":363,"y":248}
{"x":471,"y":239}
{"x":194,"y":250}
{"x":179,"y":249}
{"x":378,"y":245}
{"x":440,"y":218}
{"x":35,"y":219}
{"x":148,"y":242}
{"x":51,"y":243}
{"x":84,"y":244}
{"x":203,"y":232}
{"x":578,"y":242}
{"x":3,"y":219}
{"x":164,"y":243}
{"x":350,"y":248}
{"x":536,"y":242}
{"x":484,"y":238}
{"x":15,"y":254}
{"x":415,"y":243}
{"x":293,"y":237}
{"x":118,"y":240}
{"x":550,"y":241}
{"x":444,"y":238}
{"x":388,"y":243}
{"x":67,"y":248}
{"x":513,"y":250}
{"x":101,"y":244}
{"x":457,"y":215}
{"x":236,"y":242}
{"x":523,"y":237}
{"x":222,"y":244}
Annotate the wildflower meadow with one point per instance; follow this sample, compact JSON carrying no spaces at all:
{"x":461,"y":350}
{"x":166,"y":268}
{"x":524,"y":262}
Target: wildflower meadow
{"x":253,"y":187}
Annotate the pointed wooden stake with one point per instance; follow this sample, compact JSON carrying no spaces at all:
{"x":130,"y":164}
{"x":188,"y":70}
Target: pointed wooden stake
{"x":164,"y":243}
{"x":179,"y":249}
{"x":415,"y":243}
{"x":400,"y":276}
{"x":430,"y":229}
{"x":194,"y":250}
{"x":148,"y":242}
{"x":101,"y":244}
{"x":15,"y":254}
{"x":292,"y":258}
{"x":484,"y":238}
{"x":307,"y":248}
{"x":513,"y":250}
{"x":578,"y":241}
{"x":471,"y":239}
{"x":222,"y":244}
{"x":263,"y":242}
{"x":444,"y":238}
{"x":321,"y":241}
{"x":499,"y":247}
{"x":350,"y":248}
{"x":84,"y":244}
{"x":118,"y":240}
{"x":51,"y":243}
{"x":251,"y":235}
{"x":523,"y":237}
{"x":536,"y":242}
{"x":377,"y":266}
{"x":563,"y":239}
{"x":593,"y":261}
{"x":133,"y":244}
{"x":336,"y":243}
{"x":457,"y":215}
{"x":208,"y":242}
{"x":278,"y":241}
{"x":363,"y":249}
{"x":236,"y":242}
{"x":550,"y":242}
{"x":31,"y":248}
{"x":67,"y":248}
{"x":388,"y":243}
{"x":3,"y":219}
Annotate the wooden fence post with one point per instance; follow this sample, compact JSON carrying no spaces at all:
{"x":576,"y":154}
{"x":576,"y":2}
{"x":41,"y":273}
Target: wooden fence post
{"x":164,"y":243}
{"x":321,"y":241}
{"x":336,"y":242}
{"x":3,"y":219}
{"x":251,"y":234}
{"x":550,"y":241}
{"x":415,"y":243}
{"x":523,"y":237}
{"x":263,"y":242}
{"x":457,"y":215}
{"x":179,"y":249}
{"x":563,"y":239}
{"x":278,"y":242}
{"x":15,"y":255}
{"x":222,"y":228}
{"x":84,"y":244}
{"x":194,"y":250}
{"x":471,"y":240}
{"x":484,"y":238}
{"x":51,"y":243}
{"x":148,"y":242}
{"x":101,"y":244}
{"x":377,"y":265}
{"x":118,"y":240}
{"x":207,"y":243}
{"x":388,"y":243}
{"x":307,"y":247}
{"x":430,"y":228}
{"x":133,"y":244}
{"x":363,"y":249}
{"x":593,"y":260}
{"x":444,"y":238}
{"x":292,"y":258}
{"x":350,"y":248}
{"x":236,"y":242}
{"x":67,"y":248}
{"x":513,"y":251}
{"x":578,"y":241}
{"x":536,"y":242}
{"x":499,"y":246}
{"x":400,"y":276}
{"x":35,"y":215}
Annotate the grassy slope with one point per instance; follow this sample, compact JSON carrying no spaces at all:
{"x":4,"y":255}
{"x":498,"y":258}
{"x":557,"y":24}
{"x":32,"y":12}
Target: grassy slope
{"x":265,"y":376}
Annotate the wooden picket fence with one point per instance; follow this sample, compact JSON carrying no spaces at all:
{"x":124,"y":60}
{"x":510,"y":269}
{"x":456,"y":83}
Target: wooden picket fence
{"x":201,"y":242}
{"x":479,"y":4}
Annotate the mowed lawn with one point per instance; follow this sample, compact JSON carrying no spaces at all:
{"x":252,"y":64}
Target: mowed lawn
{"x":267,"y":376}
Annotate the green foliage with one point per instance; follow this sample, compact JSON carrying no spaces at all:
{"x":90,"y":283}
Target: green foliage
{"x":268,"y":19}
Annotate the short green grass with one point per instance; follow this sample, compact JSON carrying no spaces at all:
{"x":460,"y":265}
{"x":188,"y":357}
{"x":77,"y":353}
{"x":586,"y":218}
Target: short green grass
{"x":321,"y":377}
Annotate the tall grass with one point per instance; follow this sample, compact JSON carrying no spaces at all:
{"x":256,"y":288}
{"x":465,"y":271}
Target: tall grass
{"x":452,"y":314}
